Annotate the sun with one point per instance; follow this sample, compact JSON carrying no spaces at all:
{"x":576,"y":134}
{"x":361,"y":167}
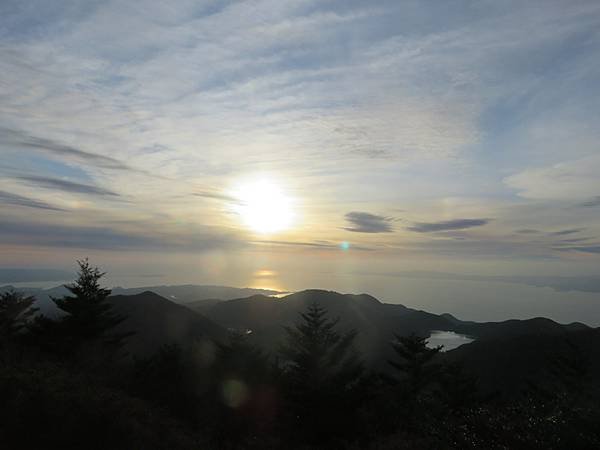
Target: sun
{"x":264,"y":207}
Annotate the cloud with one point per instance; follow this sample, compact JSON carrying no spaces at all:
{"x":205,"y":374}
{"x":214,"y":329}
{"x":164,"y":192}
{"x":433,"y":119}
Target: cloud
{"x":582,"y":248}
{"x":567,"y":180}
{"x":250,"y":78}
{"x":567,"y":231}
{"x":9,"y":198}
{"x":527,"y":231}
{"x":496,"y":248}
{"x":137,"y":237}
{"x":67,"y":186}
{"x":575,"y":240}
{"x":457,"y":224}
{"x":216,"y":196}
{"x":363,"y":222}
{"x":327,"y":95}
{"x":591,"y":203}
{"x":17,"y":138}
{"x":323,"y":245}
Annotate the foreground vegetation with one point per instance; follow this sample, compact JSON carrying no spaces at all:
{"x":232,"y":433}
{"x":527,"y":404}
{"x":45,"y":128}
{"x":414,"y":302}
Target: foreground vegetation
{"x":68,"y":382}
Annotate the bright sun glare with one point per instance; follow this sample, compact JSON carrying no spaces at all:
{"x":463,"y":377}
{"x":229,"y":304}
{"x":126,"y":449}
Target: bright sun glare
{"x":264,"y":208}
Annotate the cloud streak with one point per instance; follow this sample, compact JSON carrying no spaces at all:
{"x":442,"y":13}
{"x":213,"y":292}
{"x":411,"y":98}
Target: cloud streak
{"x":594,"y":249}
{"x":312,"y":245}
{"x":592,"y":203}
{"x":568,"y":180}
{"x":112,"y":238}
{"x":17,"y":138}
{"x":215,"y":196}
{"x":67,"y":186}
{"x":363,"y":222}
{"x":448,"y":225}
{"x":527,"y":231}
{"x":9,"y":198}
{"x":567,"y":231}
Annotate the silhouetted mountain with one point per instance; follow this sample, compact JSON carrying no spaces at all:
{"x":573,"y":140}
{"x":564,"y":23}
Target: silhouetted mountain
{"x":178,"y":293}
{"x":157,"y":321}
{"x":514,"y":362}
{"x":203,"y":306}
{"x":450,"y":317}
{"x":233,"y":393}
{"x":186,"y":293}
{"x":376,"y":322}
{"x":514,"y":327}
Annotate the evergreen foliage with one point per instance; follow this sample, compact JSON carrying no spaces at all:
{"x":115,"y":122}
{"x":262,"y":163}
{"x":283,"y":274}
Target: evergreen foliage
{"x":90,"y":317}
{"x":417,"y":379}
{"x":316,"y":356}
{"x":415,"y":364}
{"x":321,"y":376}
{"x":15,"y":313}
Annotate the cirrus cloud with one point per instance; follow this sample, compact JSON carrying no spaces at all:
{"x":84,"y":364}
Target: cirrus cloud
{"x":66,"y":185}
{"x":9,"y":198}
{"x":576,"y":179}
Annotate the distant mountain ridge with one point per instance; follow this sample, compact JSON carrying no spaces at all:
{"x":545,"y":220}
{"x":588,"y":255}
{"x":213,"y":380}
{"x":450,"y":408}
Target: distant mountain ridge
{"x":504,"y":355}
{"x":376,"y":322}
{"x":185,"y":293}
{"x":177,"y":293}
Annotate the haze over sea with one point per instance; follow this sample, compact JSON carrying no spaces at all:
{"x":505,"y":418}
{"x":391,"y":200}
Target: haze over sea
{"x":465,"y":299}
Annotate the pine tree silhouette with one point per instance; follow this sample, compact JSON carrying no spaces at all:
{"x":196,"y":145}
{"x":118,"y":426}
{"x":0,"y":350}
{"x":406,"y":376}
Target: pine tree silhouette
{"x":90,"y":317}
{"x":321,"y":372}
{"x":244,"y":401}
{"x":458,"y":388}
{"x":415,"y":363}
{"x":15,"y":312}
{"x":167,"y":380}
{"x":417,"y":378}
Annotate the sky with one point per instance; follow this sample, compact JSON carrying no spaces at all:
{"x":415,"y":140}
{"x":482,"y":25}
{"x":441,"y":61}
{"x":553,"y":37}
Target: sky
{"x":357,"y":146}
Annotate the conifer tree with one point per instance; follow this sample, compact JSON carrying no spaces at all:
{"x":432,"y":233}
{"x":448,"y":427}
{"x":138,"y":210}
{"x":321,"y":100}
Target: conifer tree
{"x":458,"y":387}
{"x":321,"y":373}
{"x":90,"y":317}
{"x":414,"y":365}
{"x":15,"y":311}
{"x":245,"y":403}
{"x":418,"y":376}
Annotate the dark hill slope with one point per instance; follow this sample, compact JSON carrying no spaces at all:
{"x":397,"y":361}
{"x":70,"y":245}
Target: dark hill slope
{"x":510,"y":364}
{"x":514,"y":327}
{"x":376,"y":322}
{"x":157,"y":321}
